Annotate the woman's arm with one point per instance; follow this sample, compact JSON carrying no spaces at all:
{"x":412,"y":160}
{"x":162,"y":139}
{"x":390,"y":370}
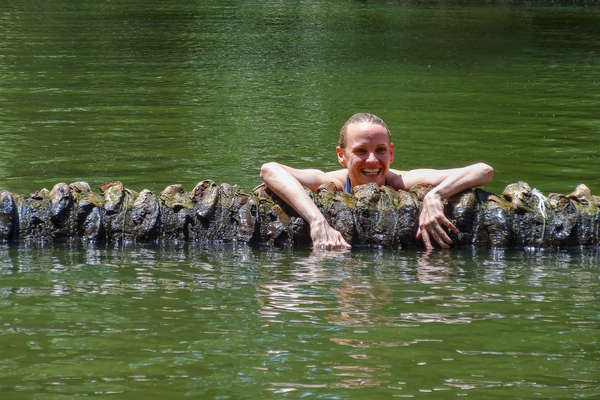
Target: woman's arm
{"x":288,"y":184}
{"x":445,"y":184}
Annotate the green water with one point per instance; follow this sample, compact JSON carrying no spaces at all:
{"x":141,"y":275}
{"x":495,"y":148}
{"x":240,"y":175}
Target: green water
{"x":241,"y":323}
{"x":155,"y":92}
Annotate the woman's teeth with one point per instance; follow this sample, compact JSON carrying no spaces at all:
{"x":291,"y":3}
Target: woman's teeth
{"x":370,"y":171}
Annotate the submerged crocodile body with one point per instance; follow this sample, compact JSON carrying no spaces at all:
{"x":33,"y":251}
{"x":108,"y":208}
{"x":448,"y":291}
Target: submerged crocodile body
{"x":372,"y":216}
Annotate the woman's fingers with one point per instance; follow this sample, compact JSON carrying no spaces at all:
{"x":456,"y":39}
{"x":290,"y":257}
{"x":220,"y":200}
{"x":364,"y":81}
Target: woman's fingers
{"x":329,"y":239}
{"x":435,"y":232}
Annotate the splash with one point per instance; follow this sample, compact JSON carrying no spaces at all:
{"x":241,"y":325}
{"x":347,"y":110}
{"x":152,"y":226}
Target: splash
{"x":541,"y":202}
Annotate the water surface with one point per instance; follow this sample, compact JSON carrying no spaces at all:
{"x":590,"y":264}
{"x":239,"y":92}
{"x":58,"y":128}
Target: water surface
{"x":154,"y":93}
{"x":250,"y":323}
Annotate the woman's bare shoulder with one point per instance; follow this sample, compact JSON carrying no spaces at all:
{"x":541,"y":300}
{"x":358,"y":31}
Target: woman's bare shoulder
{"x":338,"y":178}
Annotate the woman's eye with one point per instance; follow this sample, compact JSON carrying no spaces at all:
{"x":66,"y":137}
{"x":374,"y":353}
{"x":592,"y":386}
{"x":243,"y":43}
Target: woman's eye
{"x":361,"y":152}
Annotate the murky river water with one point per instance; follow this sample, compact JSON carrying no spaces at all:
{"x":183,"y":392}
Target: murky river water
{"x":243,"y":323}
{"x":153,"y":93}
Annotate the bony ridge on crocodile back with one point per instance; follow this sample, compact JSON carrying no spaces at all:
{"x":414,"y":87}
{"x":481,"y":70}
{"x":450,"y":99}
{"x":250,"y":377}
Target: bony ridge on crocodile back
{"x":372,"y":215}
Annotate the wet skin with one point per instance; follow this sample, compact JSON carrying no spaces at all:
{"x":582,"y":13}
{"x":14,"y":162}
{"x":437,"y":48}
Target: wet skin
{"x":367,"y":153}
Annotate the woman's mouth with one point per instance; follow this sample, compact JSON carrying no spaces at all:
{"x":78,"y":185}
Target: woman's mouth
{"x":370,"y":172}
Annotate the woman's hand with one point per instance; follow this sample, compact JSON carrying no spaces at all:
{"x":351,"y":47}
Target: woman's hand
{"x":432,"y":221}
{"x":324,"y":237}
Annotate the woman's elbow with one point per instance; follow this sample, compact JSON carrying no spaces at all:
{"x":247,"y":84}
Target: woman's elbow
{"x":486,"y":172}
{"x":267,"y":169}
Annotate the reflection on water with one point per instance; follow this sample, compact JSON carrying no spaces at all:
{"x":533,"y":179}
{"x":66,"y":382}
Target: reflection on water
{"x":196,"y":321}
{"x":154,"y":93}
{"x":178,"y":92}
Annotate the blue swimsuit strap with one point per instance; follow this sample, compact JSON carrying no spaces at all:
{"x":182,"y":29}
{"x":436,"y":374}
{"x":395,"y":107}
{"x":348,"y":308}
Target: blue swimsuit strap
{"x":348,"y":187}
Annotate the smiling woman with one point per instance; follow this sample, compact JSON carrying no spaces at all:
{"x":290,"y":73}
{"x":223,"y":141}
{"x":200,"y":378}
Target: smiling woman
{"x":154,"y":92}
{"x":367,"y":152}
